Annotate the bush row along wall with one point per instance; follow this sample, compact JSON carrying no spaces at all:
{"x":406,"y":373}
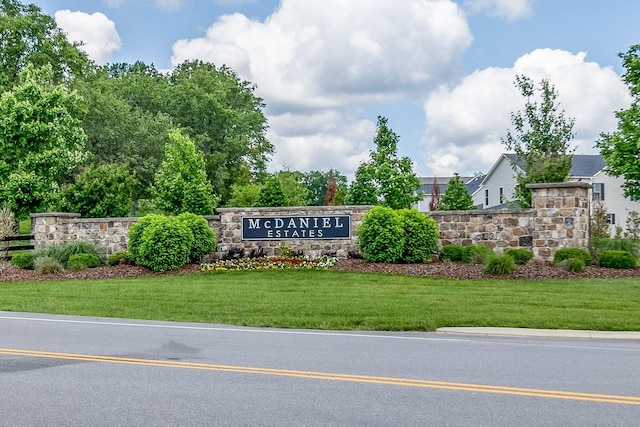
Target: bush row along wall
{"x":559,"y":217}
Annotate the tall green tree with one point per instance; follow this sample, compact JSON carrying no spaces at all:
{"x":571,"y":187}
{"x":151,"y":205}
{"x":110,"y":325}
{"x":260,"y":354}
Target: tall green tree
{"x":385,"y":179}
{"x":293,"y":188}
{"x":621,"y":149}
{"x":27,"y":36}
{"x":118,"y":132}
{"x":456,"y":197}
{"x":540,"y":138}
{"x":317,"y":181}
{"x":99,"y":192}
{"x":181,"y":182}
{"x":271,"y":194}
{"x":41,"y":140}
{"x":225,"y":118}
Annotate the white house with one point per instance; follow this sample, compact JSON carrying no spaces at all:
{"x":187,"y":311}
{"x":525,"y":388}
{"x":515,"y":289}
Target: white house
{"x":497,"y":188}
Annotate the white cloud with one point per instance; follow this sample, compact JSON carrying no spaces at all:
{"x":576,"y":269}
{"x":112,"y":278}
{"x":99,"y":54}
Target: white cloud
{"x":318,"y":63}
{"x":511,"y":10}
{"x":465,"y":122}
{"x":320,"y":141}
{"x":97,"y":33}
{"x":331,"y":53}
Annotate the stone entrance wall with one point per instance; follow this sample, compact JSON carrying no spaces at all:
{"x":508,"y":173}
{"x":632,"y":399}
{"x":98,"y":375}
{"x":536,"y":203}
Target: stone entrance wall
{"x":559,"y":217}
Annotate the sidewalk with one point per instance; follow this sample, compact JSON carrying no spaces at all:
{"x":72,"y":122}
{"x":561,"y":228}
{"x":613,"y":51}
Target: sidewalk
{"x":548,"y":333}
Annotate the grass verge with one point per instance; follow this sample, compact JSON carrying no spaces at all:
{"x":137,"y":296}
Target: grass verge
{"x":339,"y":301}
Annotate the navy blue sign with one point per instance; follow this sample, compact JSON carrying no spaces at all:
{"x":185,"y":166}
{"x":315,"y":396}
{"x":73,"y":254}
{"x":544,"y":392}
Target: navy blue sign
{"x":296,"y":227}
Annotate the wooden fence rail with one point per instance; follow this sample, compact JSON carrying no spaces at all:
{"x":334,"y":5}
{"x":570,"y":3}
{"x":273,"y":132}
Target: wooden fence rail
{"x":19,"y":247}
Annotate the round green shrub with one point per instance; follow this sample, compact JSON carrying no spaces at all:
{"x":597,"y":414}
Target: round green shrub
{"x":420,"y":236}
{"x":204,"y":239}
{"x":22,"y":260}
{"x":566,"y":253}
{"x":83,"y":261}
{"x":137,"y":230}
{"x":574,"y":265}
{"x":381,"y":236}
{"x":120,"y":258}
{"x":617,"y":259}
{"x":499,"y":265}
{"x":476,"y":254}
{"x":166,"y":245}
{"x":520,"y":256}
{"x":47,"y":265}
{"x":451,"y":253}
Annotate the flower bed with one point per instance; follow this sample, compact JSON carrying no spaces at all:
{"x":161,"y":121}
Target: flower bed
{"x":273,"y":263}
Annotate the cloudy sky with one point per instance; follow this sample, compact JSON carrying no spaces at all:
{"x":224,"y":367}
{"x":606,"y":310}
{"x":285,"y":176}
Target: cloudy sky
{"x":441,"y":71}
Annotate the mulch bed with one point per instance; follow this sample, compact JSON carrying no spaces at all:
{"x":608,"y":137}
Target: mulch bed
{"x":454,"y":270}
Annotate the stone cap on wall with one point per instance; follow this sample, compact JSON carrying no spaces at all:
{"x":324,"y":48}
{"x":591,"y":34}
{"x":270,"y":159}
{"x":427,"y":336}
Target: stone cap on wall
{"x":569,"y":184}
{"x":58,"y":214}
{"x":289,"y":208}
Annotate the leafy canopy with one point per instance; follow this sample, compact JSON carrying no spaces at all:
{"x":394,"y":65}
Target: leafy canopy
{"x":456,"y":197}
{"x":41,"y":140}
{"x":181,"y":182}
{"x":540,"y":139}
{"x":385,"y":179}
{"x":621,"y":148}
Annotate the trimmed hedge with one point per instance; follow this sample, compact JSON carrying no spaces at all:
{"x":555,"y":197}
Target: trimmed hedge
{"x":381,"y":235}
{"x":566,"y":253}
{"x":617,"y":259}
{"x":165,"y":245}
{"x":520,"y":256}
{"x":83,"y":261}
{"x":451,"y":253}
{"x":420,"y":236}
{"x":22,"y":260}
{"x":499,"y":265}
{"x":204,"y":239}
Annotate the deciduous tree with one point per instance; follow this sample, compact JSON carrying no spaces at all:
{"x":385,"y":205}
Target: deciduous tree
{"x":41,"y":140}
{"x":181,"y":183}
{"x":385,"y":179}
{"x":621,"y":149}
{"x":540,"y":140}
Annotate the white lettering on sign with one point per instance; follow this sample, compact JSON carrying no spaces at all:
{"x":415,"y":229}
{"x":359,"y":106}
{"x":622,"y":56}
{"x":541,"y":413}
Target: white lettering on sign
{"x":254,"y":223}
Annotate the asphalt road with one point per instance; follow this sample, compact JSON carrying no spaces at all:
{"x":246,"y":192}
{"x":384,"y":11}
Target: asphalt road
{"x":75,"y":371}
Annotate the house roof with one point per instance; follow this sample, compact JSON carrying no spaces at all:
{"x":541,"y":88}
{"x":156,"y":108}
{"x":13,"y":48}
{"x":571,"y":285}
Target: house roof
{"x":471,"y":182}
{"x":582,"y":164}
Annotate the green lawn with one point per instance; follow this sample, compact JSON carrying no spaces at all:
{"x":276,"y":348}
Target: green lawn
{"x":340,"y":300}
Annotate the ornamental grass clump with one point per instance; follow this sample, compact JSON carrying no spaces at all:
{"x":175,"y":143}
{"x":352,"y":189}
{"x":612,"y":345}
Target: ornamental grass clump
{"x":500,"y":265}
{"x":47,"y":265}
{"x":520,"y":256}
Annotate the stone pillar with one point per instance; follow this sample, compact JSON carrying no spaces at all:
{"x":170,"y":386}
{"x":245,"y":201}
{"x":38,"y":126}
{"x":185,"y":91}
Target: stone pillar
{"x":561,"y":217}
{"x":50,"y":228}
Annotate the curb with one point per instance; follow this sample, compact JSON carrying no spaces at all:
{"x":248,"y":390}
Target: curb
{"x":547,"y":333}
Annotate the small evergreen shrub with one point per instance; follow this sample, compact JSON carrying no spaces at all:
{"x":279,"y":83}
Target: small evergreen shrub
{"x":381,"y":236}
{"x":204,"y":239}
{"x":617,"y":259}
{"x":520,"y":256}
{"x":451,"y":253}
{"x":137,"y":230}
{"x":83,"y":261}
{"x":596,"y":246}
{"x":574,"y":265}
{"x":566,"y":253}
{"x":23,"y":260}
{"x":420,"y":236}
{"x":165,"y":245}
{"x":120,"y":258}
{"x":47,"y":265}
{"x":476,"y":254}
{"x":499,"y":265}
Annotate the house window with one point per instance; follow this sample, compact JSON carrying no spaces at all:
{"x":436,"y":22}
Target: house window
{"x":486,"y":197}
{"x":598,"y":191}
{"x":611,"y":219}
{"x":501,"y":194}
